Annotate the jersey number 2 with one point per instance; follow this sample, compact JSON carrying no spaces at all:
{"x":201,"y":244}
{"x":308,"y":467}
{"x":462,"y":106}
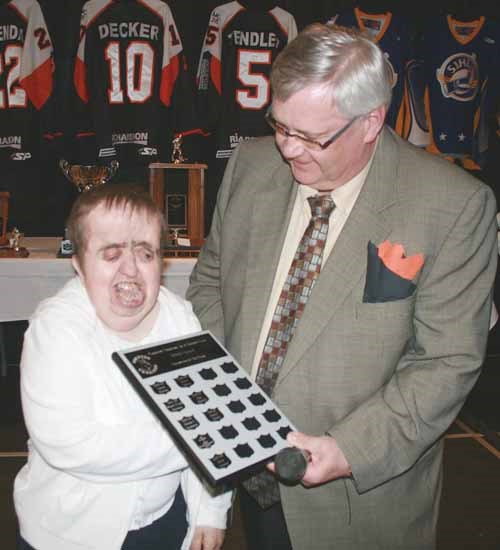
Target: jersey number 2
{"x":13,"y":95}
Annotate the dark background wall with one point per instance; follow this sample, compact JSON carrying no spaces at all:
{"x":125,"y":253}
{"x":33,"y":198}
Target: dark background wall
{"x":41,"y":197}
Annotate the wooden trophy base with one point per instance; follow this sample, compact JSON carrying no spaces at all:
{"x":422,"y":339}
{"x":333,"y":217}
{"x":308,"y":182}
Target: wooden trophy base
{"x":177,"y":251}
{"x":8,"y":252}
{"x":191,"y":193}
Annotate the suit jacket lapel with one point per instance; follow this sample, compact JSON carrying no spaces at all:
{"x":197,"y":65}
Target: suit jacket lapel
{"x":269,"y":222}
{"x":347,"y":261}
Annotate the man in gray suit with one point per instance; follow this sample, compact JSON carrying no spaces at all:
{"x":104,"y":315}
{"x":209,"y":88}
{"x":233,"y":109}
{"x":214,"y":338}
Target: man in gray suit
{"x":393,"y":334}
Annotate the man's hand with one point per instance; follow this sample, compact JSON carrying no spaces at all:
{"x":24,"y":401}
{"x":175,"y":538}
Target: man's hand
{"x":207,"y":538}
{"x":326,"y":463}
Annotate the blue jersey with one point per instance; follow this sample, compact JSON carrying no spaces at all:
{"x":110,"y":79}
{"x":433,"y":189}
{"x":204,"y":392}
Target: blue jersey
{"x":461,"y":65}
{"x":393,"y":34}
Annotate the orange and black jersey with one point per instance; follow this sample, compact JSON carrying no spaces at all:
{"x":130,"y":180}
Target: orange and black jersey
{"x":26,"y":78}
{"x":131,"y":79}
{"x":241,"y":43}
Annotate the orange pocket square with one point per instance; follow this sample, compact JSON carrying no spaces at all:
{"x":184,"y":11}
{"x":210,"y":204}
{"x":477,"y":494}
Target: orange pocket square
{"x":393,"y":257}
{"x":390,"y":272}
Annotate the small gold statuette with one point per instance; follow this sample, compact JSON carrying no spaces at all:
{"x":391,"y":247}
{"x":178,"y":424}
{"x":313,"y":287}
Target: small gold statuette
{"x":14,"y":248}
{"x":174,"y":236}
{"x":15,"y":239}
{"x":177,"y":155}
{"x":88,"y":176}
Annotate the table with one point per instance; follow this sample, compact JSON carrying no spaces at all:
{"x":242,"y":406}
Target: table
{"x":24,"y":282}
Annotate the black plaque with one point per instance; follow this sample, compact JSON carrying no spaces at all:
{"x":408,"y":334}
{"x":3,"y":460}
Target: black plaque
{"x":176,"y":201}
{"x":204,"y":399}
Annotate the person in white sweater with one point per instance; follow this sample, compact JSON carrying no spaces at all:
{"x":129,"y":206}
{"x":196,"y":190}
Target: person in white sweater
{"x":102,"y":473}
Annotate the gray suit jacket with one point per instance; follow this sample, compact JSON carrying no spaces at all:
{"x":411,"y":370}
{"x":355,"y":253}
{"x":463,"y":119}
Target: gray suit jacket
{"x":385,"y":378}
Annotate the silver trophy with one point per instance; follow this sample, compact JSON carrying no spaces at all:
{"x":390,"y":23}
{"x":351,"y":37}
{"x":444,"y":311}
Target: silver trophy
{"x":88,"y":176}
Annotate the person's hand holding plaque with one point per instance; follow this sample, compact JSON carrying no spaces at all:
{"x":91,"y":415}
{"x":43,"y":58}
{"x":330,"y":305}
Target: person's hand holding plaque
{"x":310,"y":460}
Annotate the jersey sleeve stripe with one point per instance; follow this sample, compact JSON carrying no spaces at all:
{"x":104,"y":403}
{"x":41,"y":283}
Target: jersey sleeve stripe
{"x":19,"y":13}
{"x":169,"y":77}
{"x":38,"y":85}
{"x":216,"y":74}
{"x":280,"y":24}
{"x":229,"y":19}
{"x":88,"y":21}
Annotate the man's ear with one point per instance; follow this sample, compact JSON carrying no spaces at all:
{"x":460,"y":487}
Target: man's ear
{"x":76,"y":265}
{"x":374,"y":122}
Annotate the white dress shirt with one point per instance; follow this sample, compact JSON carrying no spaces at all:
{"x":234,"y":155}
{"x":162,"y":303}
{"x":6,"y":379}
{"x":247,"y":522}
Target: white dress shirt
{"x":344,"y":197}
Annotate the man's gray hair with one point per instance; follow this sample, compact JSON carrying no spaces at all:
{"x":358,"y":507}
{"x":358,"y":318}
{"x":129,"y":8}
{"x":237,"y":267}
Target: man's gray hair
{"x":350,"y":66}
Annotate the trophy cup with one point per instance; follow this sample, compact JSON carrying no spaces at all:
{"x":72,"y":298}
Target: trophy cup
{"x":88,"y":176}
{"x":85,"y":177}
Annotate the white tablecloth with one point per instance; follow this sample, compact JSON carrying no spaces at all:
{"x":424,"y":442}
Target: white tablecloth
{"x":24,"y":282}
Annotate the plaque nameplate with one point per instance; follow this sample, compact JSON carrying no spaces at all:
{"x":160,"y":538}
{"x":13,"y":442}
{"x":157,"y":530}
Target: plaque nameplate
{"x":176,"y":211}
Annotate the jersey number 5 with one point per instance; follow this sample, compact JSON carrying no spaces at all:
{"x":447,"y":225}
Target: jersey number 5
{"x":257,"y":93}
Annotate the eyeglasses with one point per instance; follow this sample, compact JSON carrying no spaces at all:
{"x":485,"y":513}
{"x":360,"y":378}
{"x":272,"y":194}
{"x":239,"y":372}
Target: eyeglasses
{"x":308,"y":142}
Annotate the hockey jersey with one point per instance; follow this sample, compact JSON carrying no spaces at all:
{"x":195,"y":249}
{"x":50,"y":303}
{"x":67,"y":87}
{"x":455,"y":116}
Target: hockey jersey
{"x":131,"y":78}
{"x":26,"y":77}
{"x":462,"y":66}
{"x":242,"y":41}
{"x":415,"y":128}
{"x":393,"y":34}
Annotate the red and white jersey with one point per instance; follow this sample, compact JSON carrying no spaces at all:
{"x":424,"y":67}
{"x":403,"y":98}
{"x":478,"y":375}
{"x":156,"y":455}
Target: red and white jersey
{"x":26,"y":77}
{"x":131,"y":76}
{"x":241,"y":43}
